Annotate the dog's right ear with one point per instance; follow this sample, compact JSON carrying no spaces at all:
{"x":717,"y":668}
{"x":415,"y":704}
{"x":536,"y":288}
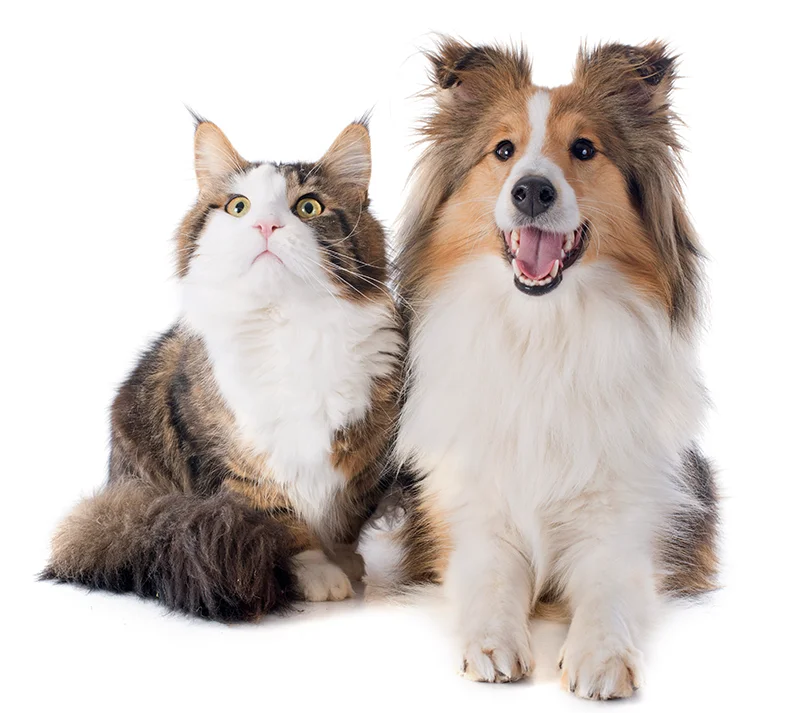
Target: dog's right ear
{"x":461,"y":68}
{"x":452,"y":59}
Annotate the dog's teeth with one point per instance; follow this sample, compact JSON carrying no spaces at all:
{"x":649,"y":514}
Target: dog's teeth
{"x":563,"y":254}
{"x":515,"y":241}
{"x":570,"y":242}
{"x":535,"y":283}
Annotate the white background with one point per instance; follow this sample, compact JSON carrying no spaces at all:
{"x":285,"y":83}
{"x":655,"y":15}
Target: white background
{"x":96,"y":172}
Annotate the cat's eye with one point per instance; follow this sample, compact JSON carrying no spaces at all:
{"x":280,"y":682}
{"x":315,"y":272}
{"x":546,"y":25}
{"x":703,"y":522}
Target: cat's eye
{"x":583,"y":149}
{"x":308,"y":208}
{"x":504,"y":150}
{"x":237,"y":206}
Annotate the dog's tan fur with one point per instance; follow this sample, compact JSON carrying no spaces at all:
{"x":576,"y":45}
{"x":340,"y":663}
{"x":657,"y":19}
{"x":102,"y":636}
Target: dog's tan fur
{"x":630,"y":194}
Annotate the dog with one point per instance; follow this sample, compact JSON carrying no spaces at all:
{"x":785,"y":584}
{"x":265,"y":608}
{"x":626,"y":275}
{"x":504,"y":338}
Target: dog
{"x":553,"y":287}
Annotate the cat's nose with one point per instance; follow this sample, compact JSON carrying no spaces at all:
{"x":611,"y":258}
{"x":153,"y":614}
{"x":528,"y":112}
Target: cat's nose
{"x":266,"y":227}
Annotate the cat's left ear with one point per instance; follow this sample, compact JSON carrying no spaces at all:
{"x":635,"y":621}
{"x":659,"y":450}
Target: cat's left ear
{"x":214,"y":156}
{"x":348,"y":161}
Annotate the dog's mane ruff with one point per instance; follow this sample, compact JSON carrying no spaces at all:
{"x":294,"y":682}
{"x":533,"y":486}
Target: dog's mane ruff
{"x":576,"y":483}
{"x":631,"y":87}
{"x":465,"y":81}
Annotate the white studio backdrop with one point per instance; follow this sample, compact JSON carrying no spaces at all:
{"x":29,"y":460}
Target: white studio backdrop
{"x":96,"y":150}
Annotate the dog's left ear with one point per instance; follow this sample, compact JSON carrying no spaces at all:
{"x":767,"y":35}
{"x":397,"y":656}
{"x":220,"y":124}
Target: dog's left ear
{"x":647,"y":70}
{"x":654,"y":64}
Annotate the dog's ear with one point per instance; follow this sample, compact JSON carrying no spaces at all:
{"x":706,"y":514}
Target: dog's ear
{"x":462,"y":69}
{"x":451,"y":61}
{"x":647,"y":71}
{"x":654,"y":64}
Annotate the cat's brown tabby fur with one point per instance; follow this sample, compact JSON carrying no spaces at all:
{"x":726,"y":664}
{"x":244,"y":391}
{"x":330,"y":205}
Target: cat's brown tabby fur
{"x":197,"y":511}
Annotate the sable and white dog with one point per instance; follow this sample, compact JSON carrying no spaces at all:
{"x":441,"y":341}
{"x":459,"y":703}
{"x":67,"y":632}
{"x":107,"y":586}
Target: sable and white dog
{"x":552,"y":279}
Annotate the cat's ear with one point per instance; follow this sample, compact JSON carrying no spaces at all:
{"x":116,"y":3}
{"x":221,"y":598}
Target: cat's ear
{"x":348,"y":161}
{"x":214,"y":156}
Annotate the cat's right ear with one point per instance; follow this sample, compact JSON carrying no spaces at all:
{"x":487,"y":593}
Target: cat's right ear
{"x":214,"y":156}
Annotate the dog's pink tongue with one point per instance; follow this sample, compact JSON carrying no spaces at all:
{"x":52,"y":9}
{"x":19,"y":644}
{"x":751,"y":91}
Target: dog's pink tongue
{"x":538,"y":251}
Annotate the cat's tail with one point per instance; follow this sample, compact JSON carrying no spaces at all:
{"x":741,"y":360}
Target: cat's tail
{"x":211,"y":556}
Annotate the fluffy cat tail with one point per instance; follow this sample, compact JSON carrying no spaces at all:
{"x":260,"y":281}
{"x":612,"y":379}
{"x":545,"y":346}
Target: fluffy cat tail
{"x":210,"y":556}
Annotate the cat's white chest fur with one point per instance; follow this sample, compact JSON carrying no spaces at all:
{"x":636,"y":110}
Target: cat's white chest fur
{"x":293,"y":375}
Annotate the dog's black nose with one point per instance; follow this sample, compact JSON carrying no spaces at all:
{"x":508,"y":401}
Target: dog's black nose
{"x":533,"y":195}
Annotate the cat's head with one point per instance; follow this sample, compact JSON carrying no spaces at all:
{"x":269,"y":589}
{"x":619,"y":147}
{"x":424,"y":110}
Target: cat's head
{"x":261,"y":233}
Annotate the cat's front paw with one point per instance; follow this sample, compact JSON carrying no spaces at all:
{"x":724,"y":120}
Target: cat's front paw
{"x":600,"y":668}
{"x":318,"y":579}
{"x":498,"y":657}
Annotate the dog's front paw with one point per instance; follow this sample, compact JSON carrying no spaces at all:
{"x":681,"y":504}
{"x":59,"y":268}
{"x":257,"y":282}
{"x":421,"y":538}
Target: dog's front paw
{"x":498,"y":658}
{"x":318,"y":579}
{"x":600,"y":668}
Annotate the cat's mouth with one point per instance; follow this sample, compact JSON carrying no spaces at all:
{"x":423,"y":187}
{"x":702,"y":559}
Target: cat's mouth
{"x":266,"y":254}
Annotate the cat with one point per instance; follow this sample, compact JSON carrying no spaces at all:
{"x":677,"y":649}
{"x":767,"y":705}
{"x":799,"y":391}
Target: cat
{"x":249,"y":444}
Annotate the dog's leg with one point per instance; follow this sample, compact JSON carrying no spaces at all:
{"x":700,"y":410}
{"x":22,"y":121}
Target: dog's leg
{"x":611,"y":589}
{"x":489,"y":582}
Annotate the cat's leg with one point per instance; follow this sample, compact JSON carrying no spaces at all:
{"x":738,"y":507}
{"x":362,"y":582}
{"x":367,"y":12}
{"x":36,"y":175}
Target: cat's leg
{"x":489,"y":581}
{"x":317,"y":579}
{"x":360,"y":501}
{"x":611,"y":589}
{"x":345,"y":555}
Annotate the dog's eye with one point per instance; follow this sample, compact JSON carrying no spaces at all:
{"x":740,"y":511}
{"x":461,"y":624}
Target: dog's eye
{"x":583,"y":149}
{"x":504,"y":150}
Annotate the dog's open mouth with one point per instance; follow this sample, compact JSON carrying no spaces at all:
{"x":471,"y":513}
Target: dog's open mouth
{"x":539,"y":257}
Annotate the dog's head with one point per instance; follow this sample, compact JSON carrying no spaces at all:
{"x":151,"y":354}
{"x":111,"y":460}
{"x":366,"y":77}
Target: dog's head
{"x":554,"y":178}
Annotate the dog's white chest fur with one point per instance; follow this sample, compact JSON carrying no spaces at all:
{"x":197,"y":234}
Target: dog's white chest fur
{"x":293,"y":376}
{"x":526,"y":404}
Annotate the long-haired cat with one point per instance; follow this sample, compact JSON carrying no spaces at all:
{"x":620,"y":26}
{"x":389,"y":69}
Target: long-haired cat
{"x":248,"y":445}
{"x":553,"y":403}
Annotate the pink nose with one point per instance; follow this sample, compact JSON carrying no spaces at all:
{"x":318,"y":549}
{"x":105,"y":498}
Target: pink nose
{"x":266,"y":227}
